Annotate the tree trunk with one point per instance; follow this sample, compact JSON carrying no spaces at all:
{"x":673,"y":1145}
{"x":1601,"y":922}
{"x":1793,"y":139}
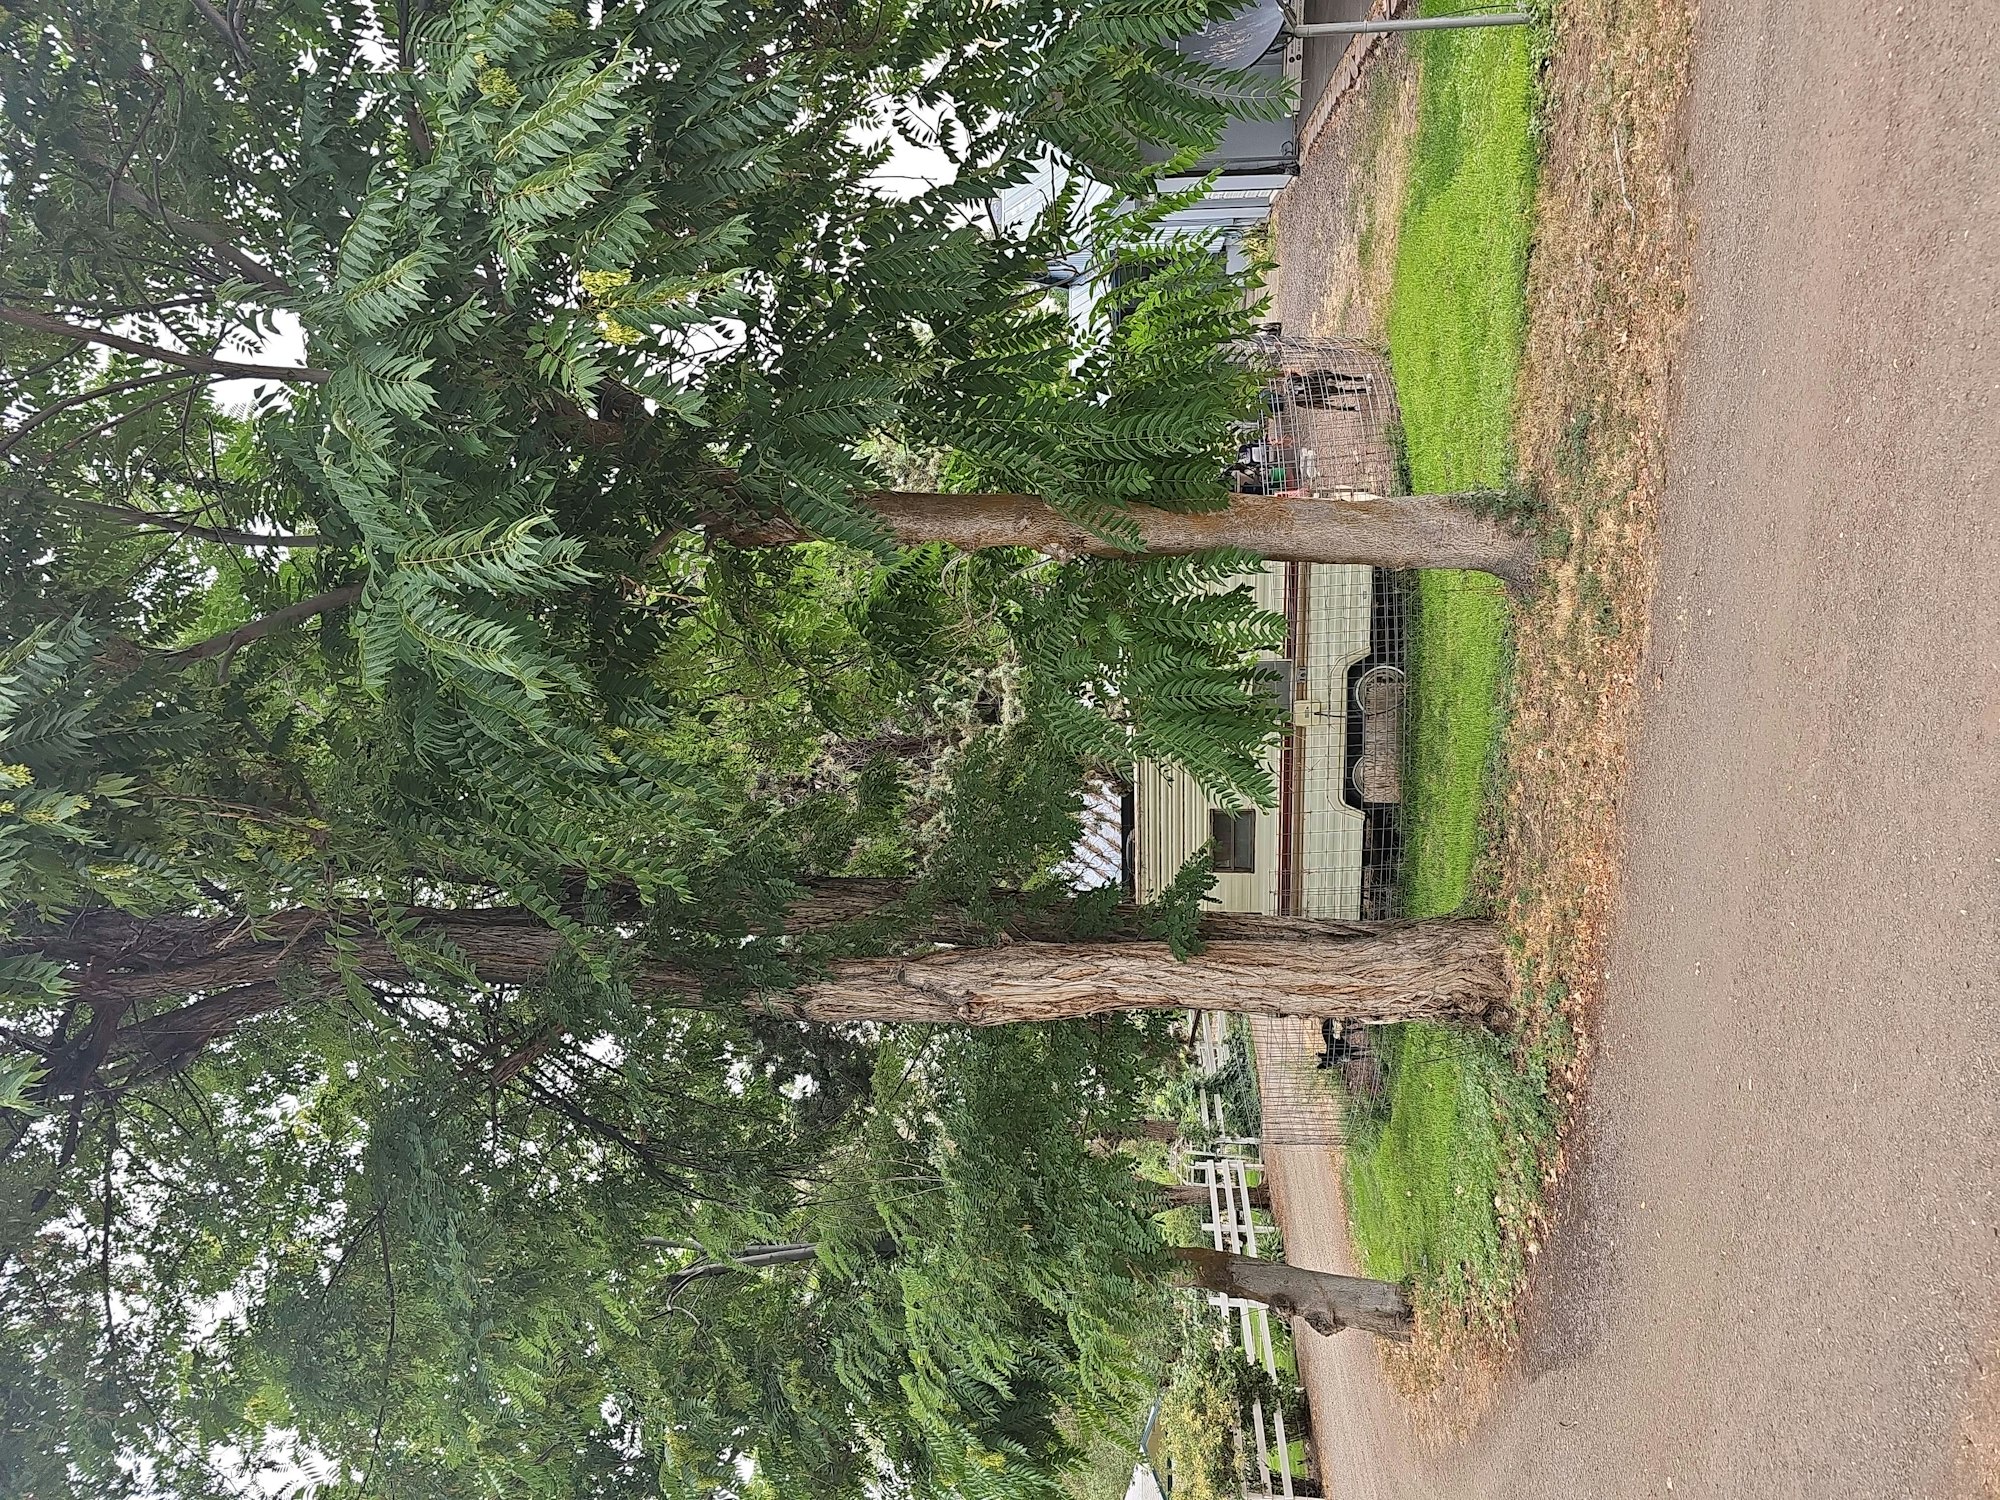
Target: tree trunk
{"x":1408,"y":531}
{"x":1326,"y":1301}
{"x":1444,"y":969}
{"x":1195,"y":1195}
{"x":217,"y":974}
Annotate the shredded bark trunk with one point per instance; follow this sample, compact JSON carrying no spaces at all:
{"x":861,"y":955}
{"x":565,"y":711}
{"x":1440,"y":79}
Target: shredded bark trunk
{"x":1442,"y":970}
{"x":160,"y":989}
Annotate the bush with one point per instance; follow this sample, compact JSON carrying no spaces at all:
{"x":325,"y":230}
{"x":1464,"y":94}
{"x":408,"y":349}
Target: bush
{"x":1207,"y":1401}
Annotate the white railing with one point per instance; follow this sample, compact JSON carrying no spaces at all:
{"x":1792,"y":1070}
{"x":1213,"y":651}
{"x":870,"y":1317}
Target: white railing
{"x":1231,"y":1225}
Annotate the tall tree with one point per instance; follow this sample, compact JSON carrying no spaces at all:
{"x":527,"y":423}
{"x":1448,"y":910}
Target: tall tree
{"x":164,"y":988}
{"x":408,"y":777}
{"x":1328,"y":1302}
{"x":1406,"y":531}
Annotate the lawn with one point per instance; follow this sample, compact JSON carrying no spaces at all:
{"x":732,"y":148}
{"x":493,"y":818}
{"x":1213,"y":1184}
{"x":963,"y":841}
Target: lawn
{"x":1457,"y":319}
{"x":1461,"y":1122}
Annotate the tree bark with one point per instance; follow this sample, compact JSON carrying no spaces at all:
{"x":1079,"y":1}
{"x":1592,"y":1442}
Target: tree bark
{"x":1409,"y":531}
{"x":1327,"y":1302}
{"x":224,"y":972}
{"x":263,"y":625}
{"x":227,"y":972}
{"x":1444,"y":969}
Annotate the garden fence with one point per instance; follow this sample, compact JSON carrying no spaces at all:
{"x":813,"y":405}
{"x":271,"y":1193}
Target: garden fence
{"x":1225,"y":1168}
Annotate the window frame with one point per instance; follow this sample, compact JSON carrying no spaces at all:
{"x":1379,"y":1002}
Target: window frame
{"x":1228,"y":834}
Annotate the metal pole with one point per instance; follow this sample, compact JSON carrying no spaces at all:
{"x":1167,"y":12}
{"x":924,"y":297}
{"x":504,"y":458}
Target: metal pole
{"x":1421,"y":23}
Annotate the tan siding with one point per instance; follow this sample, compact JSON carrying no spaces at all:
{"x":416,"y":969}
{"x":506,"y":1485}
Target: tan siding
{"x":1170,"y":818}
{"x":1338,"y":604}
{"x":1170,"y":824}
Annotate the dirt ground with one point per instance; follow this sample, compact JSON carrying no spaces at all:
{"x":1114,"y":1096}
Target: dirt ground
{"x":1772,"y":1270}
{"x":1334,"y":229}
{"x":1361,"y":1433}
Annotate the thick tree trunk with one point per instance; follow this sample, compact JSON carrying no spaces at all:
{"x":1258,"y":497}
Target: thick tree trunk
{"x":227,"y":972}
{"x":1146,"y":1130}
{"x":161,"y":989}
{"x":1407,"y":531}
{"x":1326,"y":1301}
{"x":1439,"y":970}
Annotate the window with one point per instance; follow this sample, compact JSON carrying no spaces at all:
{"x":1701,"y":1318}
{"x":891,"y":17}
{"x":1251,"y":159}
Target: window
{"x":1277,"y":682}
{"x":1232,"y":839}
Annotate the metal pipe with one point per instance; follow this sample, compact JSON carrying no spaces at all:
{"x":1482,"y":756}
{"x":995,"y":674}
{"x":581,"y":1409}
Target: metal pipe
{"x":1420,"y":23}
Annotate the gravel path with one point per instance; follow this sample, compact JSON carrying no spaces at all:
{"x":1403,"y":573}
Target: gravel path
{"x":1777,"y":1271}
{"x":1775,"y":1268}
{"x":1360,"y":1435}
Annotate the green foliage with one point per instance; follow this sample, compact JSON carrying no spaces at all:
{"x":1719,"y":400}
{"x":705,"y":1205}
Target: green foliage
{"x":1463,"y":1123}
{"x":1207,"y":1400}
{"x":18,"y":1078}
{"x":1177,"y":911}
{"x":1457,"y":318}
{"x":405,"y":771}
{"x":1153,"y":661}
{"x":74,"y":829}
{"x":1001,"y":1269}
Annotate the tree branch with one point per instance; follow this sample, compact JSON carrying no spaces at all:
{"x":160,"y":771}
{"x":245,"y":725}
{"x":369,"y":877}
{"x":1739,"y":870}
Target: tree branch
{"x":82,"y":398}
{"x":229,"y":536}
{"x":21,"y":317}
{"x":221,"y":25}
{"x":215,"y":236}
{"x":168,"y":1042}
{"x":755,"y":1258}
{"x":277,"y":619}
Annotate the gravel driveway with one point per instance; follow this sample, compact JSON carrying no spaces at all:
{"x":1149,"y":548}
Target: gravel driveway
{"x":1776,"y":1271}
{"x":1775,"y":1267}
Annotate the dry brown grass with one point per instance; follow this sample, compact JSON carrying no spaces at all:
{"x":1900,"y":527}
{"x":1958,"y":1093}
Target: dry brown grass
{"x":1607,"y":287}
{"x":1607,"y":290}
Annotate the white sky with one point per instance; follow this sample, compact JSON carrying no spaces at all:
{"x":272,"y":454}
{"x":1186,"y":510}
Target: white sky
{"x":911,"y":168}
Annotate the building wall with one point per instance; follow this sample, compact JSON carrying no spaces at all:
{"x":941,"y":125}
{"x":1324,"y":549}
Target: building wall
{"x":1171,"y":813}
{"x":1339,"y":606}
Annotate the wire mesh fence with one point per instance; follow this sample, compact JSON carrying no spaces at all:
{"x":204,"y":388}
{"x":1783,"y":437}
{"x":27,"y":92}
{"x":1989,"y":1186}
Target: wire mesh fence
{"x":1316,"y":1080}
{"x":1297,"y":1104}
{"x":1329,"y":421}
{"x":1379,"y":741}
{"x":1330,"y":426}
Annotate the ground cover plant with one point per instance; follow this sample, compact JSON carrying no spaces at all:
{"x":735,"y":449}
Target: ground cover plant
{"x":1468,"y":1120}
{"x":1456,"y":321}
